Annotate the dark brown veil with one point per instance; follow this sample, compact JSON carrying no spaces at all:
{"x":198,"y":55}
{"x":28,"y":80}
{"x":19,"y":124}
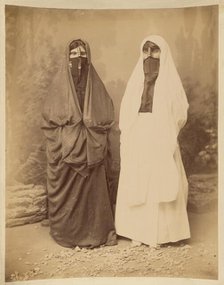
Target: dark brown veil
{"x":75,"y":137}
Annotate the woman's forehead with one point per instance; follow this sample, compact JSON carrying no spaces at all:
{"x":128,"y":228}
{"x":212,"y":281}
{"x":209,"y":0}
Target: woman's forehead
{"x":150,"y":44}
{"x":76,"y":43}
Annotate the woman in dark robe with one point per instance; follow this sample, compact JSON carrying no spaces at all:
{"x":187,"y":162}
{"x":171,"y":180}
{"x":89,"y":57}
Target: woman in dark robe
{"x":77,"y":116}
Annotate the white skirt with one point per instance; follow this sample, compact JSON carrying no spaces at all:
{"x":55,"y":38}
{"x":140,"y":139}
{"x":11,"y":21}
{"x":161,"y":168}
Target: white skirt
{"x":140,"y":215}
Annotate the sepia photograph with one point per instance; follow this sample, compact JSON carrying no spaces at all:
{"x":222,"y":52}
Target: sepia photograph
{"x":111,"y":143}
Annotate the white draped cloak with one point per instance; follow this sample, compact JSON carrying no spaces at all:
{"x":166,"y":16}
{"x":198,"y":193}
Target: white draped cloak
{"x":152,"y":191}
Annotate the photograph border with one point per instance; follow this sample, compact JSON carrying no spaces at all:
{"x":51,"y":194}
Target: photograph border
{"x":117,"y":4}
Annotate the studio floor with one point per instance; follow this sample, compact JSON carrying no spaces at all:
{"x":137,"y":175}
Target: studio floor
{"x":32,"y":254}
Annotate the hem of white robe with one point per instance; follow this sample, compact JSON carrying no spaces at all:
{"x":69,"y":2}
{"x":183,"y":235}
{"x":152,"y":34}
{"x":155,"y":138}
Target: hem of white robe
{"x":152,"y":243}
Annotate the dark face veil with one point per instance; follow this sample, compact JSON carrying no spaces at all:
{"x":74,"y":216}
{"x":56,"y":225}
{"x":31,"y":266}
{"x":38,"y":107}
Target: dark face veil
{"x":77,"y":129}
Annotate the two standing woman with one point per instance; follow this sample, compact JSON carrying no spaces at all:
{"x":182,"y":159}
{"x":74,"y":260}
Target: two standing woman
{"x":78,"y":114}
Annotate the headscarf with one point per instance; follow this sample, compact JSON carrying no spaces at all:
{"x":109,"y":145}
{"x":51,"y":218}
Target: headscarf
{"x":75,"y":137}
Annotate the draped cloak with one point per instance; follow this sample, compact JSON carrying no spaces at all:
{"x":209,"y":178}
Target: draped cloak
{"x":152,"y":181}
{"x":80,"y":211}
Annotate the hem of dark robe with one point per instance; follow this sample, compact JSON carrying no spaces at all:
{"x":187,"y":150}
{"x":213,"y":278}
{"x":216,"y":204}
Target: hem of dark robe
{"x":80,"y":210}
{"x":110,"y":241}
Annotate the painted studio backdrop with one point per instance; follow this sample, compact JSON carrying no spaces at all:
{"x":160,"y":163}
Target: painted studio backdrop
{"x":36,"y":39}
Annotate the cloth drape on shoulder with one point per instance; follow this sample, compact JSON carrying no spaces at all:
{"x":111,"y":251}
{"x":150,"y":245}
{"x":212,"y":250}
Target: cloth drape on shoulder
{"x":169,"y":112}
{"x":77,"y":137}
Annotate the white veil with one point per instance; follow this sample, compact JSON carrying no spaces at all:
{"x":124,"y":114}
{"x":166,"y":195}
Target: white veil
{"x":170,"y":107}
{"x":168,"y":91}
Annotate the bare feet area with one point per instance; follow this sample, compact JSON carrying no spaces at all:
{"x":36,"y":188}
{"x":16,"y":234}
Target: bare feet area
{"x":32,"y":254}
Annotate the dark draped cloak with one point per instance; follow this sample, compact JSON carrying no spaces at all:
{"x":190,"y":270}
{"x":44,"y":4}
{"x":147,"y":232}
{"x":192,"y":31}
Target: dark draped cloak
{"x":151,"y":71}
{"x":77,"y":115}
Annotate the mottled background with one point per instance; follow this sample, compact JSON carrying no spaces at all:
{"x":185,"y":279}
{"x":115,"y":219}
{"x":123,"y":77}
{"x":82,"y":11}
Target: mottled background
{"x":36,"y":39}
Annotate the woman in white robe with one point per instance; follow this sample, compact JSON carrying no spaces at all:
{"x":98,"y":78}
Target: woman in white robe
{"x":152,"y":192}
